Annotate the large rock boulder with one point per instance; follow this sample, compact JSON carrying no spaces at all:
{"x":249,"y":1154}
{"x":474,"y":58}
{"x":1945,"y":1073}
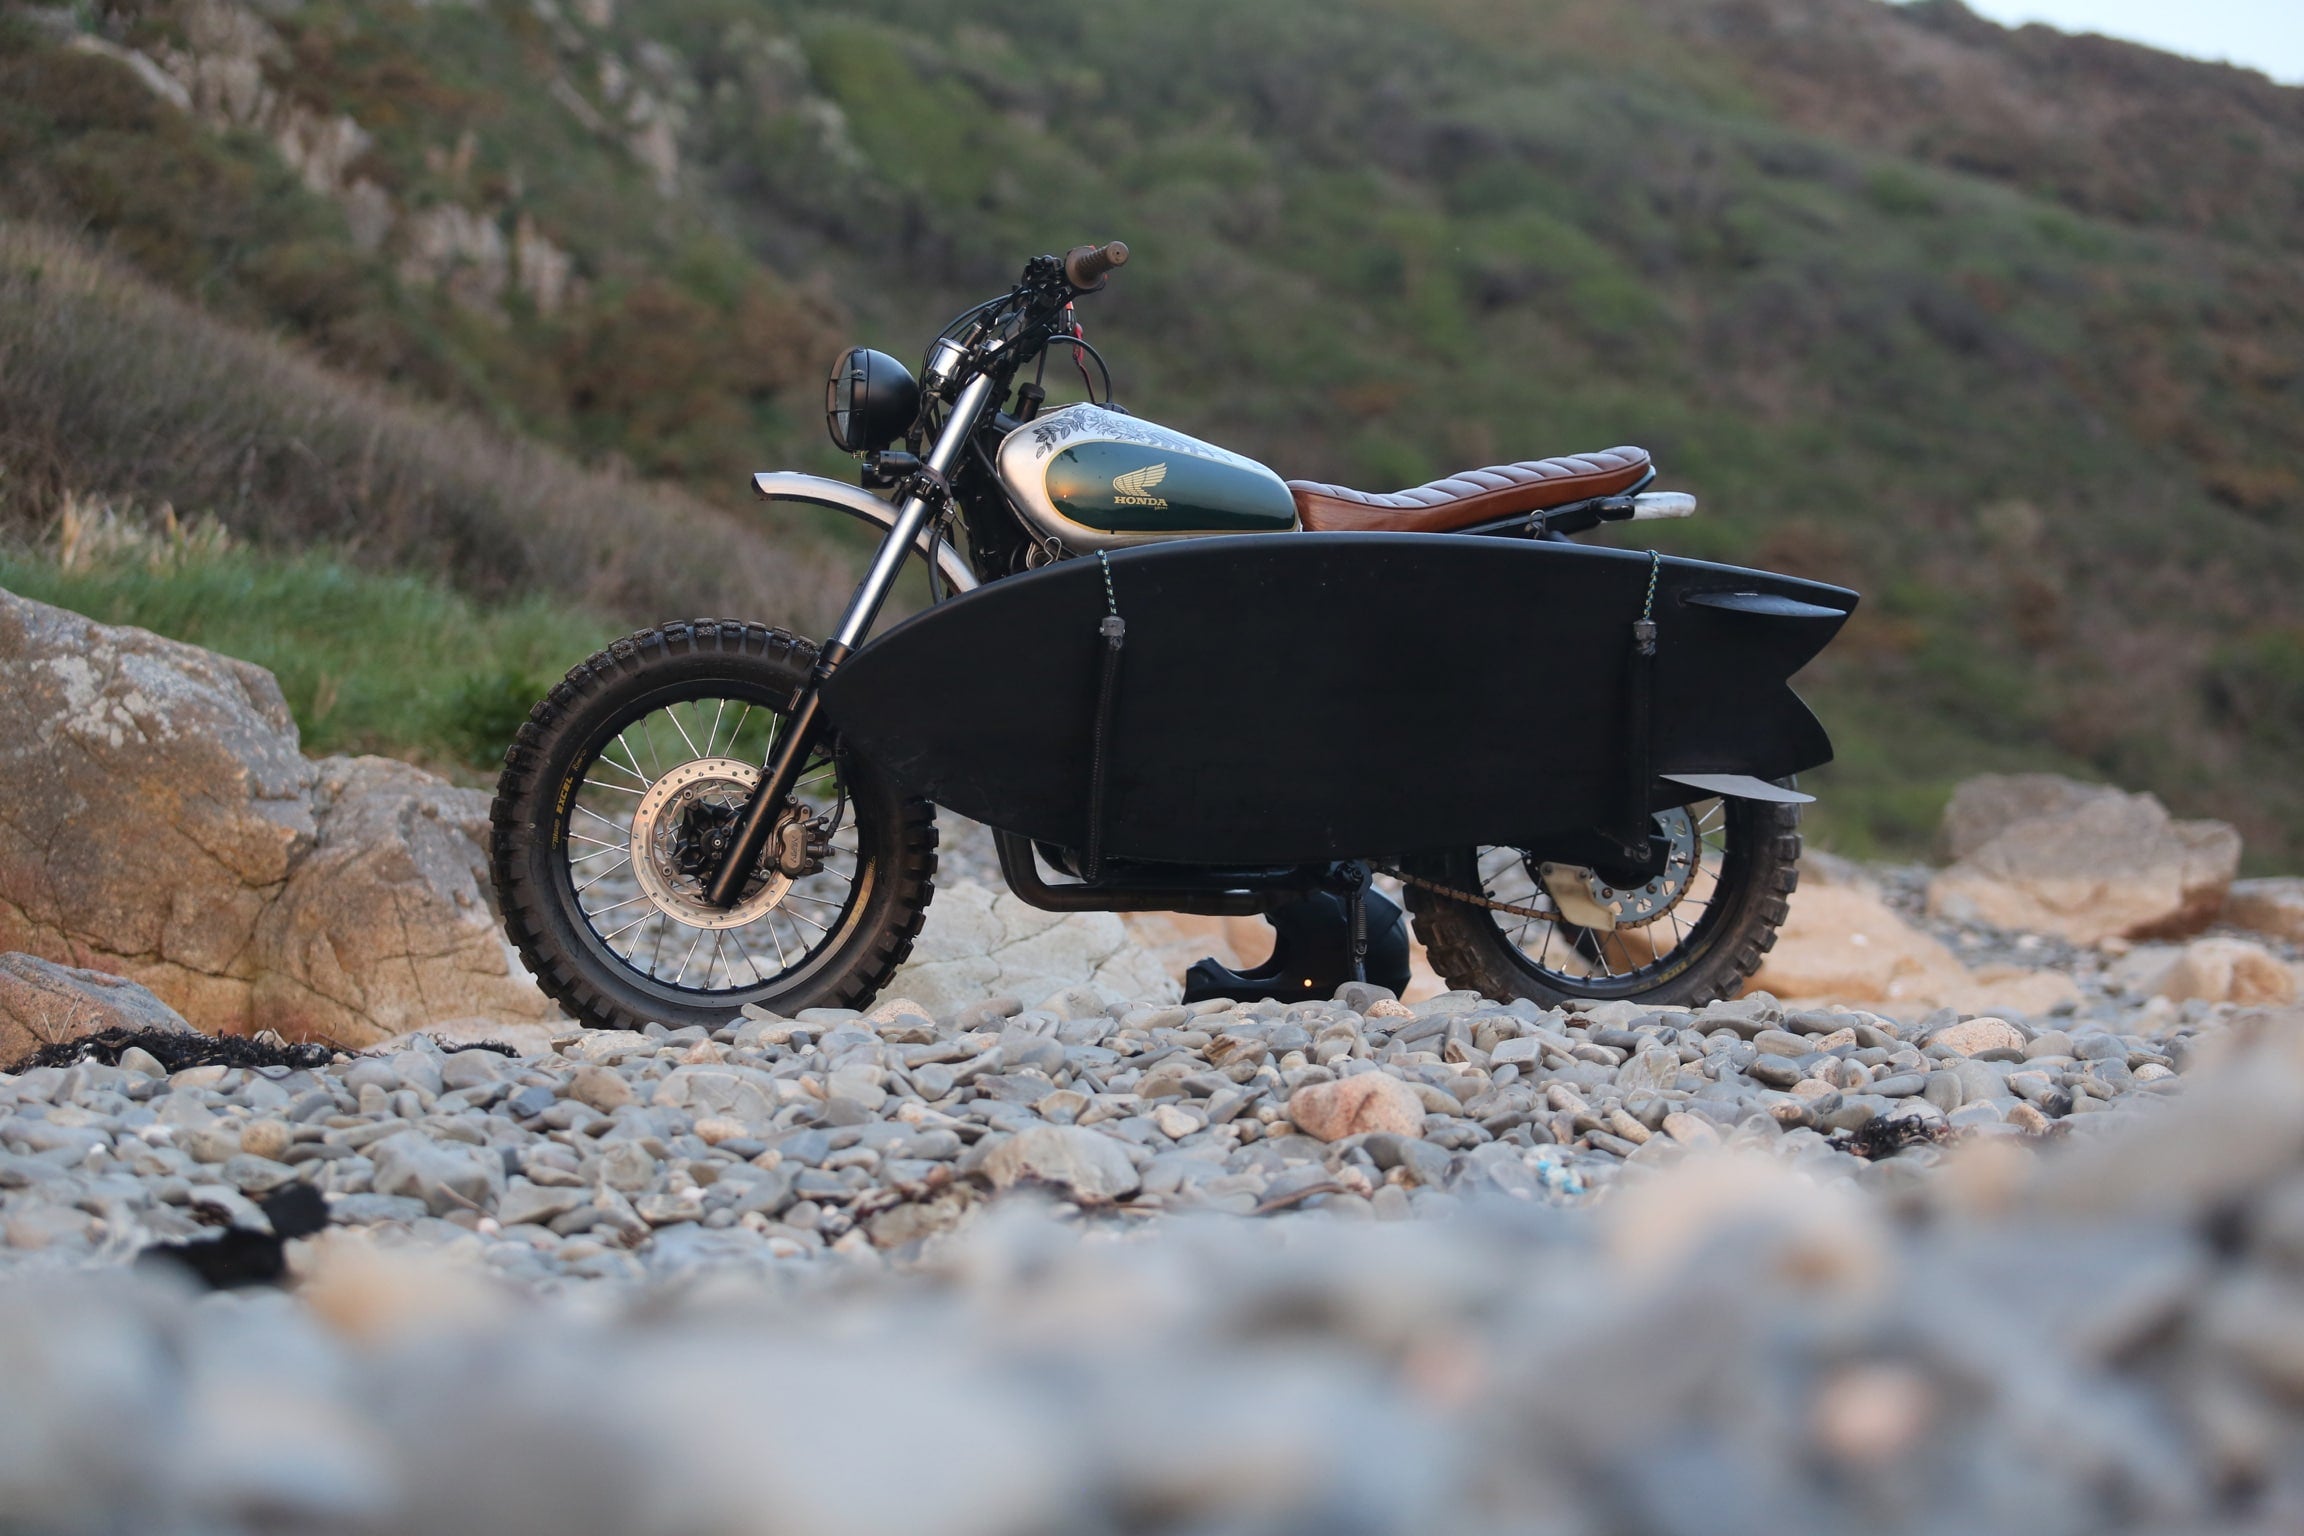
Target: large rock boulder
{"x":42,"y":1003}
{"x":1843,"y":943}
{"x":979,"y":943}
{"x":162,"y":824}
{"x":2274,"y":907}
{"x":156,"y":799}
{"x":2215,"y":970}
{"x":384,"y":924}
{"x":2041,"y":854}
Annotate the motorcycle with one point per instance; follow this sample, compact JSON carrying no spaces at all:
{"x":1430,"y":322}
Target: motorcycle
{"x":1169,"y":680}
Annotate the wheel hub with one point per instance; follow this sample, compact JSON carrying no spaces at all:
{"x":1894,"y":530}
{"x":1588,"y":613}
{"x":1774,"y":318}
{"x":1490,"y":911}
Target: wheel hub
{"x":1590,"y":900}
{"x":682,"y":830}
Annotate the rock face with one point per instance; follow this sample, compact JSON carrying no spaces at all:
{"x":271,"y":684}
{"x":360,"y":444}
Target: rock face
{"x":1842,"y":941}
{"x":978,"y":943}
{"x":2274,"y":907}
{"x":161,"y":823}
{"x":156,"y":800}
{"x":2228,"y":971}
{"x":384,"y":923}
{"x":2047,"y":855}
{"x":44,"y":1004}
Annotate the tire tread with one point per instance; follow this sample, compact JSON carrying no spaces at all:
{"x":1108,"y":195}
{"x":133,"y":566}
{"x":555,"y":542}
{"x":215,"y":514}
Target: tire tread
{"x":912,"y":840}
{"x":1469,"y":952}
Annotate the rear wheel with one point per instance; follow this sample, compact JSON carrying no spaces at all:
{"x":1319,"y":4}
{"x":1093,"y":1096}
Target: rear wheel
{"x":621,"y":791}
{"x":1556,"y":932}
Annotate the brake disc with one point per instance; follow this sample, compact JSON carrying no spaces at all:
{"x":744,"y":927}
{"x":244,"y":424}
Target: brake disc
{"x":656,"y":828}
{"x":1589,"y":901}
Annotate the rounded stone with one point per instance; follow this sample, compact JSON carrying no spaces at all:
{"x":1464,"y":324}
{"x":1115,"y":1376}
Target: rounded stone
{"x":268,"y":1139}
{"x":599,"y":1087}
{"x":1972,"y":1036}
{"x":1366,"y":1101}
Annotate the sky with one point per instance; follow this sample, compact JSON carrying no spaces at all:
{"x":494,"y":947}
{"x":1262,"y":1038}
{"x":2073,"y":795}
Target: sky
{"x":2260,"y":34}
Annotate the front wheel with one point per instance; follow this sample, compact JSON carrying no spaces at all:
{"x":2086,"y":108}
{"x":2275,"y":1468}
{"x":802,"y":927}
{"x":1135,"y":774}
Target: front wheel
{"x":1553,"y":933}
{"x":620,"y":792}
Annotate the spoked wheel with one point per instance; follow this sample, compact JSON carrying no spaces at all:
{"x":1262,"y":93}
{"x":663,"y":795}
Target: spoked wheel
{"x":1554,"y":932}
{"x":621,"y":794}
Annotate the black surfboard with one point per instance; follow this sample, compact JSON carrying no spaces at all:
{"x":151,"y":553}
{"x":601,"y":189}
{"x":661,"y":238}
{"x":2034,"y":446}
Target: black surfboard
{"x":1299,"y":697}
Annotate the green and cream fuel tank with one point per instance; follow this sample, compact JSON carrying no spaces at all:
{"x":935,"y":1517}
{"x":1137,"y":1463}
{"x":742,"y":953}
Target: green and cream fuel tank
{"x":1090,"y":478}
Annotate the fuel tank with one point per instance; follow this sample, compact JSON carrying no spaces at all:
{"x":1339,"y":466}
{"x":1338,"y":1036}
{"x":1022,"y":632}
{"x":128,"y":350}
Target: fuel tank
{"x":1092,"y":479}
{"x":1309,"y":696}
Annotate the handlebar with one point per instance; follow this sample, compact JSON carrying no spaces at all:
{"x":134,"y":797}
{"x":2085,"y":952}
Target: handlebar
{"x":1086,"y":266}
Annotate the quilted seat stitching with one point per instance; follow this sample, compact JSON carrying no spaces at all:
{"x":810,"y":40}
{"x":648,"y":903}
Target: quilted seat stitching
{"x":1498,"y":481}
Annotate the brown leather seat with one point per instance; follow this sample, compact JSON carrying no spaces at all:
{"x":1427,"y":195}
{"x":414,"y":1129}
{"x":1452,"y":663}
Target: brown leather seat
{"x":1475,"y":496}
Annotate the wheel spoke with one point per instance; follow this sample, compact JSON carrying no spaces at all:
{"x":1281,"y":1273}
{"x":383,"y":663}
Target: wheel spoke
{"x":631,"y":763}
{"x":610,"y":938}
{"x":644,"y":931}
{"x":1658,"y":925}
{"x":693,"y":946}
{"x":609,"y":821}
{"x":673,"y":715}
{"x":626,"y":902}
{"x":600,"y":876}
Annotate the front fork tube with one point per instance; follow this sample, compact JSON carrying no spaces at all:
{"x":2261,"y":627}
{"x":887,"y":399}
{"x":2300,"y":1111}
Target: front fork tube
{"x":782,"y":772}
{"x":762,"y":811}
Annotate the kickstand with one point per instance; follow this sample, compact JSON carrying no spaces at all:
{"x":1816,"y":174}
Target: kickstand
{"x":1354,"y":877}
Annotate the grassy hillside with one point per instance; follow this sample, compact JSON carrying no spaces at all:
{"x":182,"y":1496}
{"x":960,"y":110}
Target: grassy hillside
{"x":2002,"y":328}
{"x":369,"y":662}
{"x":117,"y":394}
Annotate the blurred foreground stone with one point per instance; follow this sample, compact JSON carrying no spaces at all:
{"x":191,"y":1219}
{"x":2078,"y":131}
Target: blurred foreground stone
{"x":2098,"y":1336}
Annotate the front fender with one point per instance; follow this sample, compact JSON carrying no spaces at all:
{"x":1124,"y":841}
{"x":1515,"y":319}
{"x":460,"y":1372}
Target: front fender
{"x":785,"y":485}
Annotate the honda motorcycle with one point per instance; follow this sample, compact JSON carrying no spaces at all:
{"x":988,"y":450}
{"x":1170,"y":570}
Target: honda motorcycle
{"x":1169,"y":680}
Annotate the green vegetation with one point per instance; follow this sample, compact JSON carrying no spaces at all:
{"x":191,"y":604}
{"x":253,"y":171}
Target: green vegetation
{"x":397,"y":664}
{"x":2000,"y":328}
{"x":112,"y":389}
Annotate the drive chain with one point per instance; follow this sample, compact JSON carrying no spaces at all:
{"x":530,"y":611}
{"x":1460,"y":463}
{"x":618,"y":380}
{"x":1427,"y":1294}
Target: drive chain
{"x":1467,"y":897}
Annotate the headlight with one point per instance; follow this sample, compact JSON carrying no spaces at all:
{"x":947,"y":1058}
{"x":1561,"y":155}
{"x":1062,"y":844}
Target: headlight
{"x":870,"y":401}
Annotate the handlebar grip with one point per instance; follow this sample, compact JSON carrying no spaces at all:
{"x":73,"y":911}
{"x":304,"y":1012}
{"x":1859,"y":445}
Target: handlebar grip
{"x":1085,"y":266}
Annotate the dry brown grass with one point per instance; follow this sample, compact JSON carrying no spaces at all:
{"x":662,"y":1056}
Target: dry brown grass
{"x":107,"y":382}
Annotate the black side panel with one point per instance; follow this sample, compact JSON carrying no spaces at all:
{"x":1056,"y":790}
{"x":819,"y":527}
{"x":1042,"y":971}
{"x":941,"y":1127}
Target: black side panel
{"x":1297,"y":697}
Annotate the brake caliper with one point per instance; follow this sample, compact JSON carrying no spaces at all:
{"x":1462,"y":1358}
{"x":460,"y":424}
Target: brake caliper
{"x":799,"y":844}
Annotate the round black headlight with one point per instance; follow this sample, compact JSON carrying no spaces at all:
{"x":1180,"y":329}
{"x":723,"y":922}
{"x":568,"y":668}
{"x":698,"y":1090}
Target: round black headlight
{"x":870,"y":401}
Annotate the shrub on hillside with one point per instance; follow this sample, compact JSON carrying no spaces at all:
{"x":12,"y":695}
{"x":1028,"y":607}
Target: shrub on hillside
{"x":107,"y":382}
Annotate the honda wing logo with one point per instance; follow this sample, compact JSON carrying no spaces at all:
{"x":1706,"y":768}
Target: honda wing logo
{"x":1134,"y":489}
